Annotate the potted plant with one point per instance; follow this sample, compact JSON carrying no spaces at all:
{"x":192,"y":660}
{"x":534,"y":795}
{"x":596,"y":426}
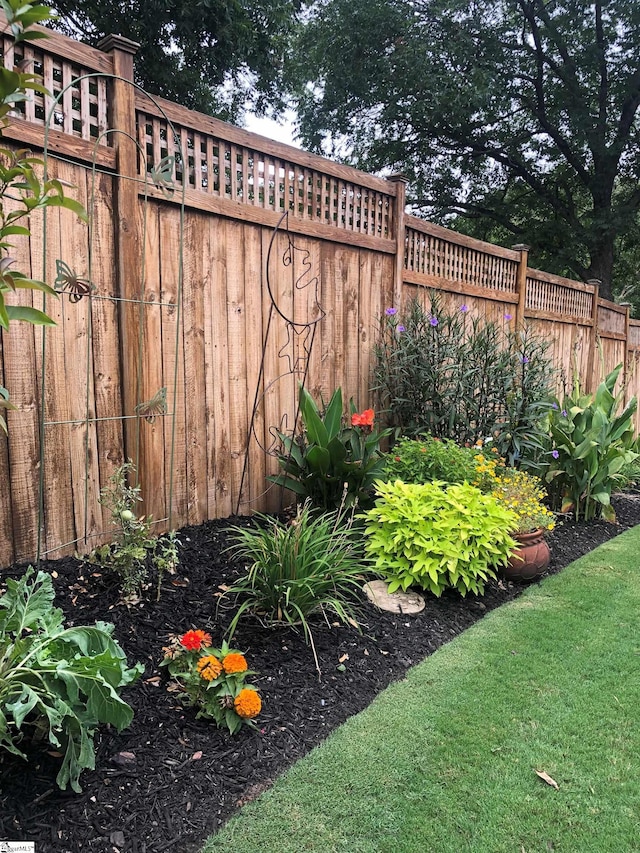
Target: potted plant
{"x":523,"y":494}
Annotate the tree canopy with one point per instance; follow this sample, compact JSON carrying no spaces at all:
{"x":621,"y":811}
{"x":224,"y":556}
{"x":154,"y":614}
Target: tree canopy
{"x":217,"y":56}
{"x":519,"y":115}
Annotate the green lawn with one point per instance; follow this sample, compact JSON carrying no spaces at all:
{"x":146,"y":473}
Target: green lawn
{"x":445,"y":760}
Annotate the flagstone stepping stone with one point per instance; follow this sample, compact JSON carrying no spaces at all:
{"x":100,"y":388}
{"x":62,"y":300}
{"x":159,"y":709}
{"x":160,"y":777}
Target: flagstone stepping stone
{"x":407,"y":603}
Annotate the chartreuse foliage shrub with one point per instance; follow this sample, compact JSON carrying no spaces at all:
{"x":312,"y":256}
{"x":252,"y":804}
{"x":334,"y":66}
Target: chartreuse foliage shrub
{"x":591,"y":446}
{"x":443,"y":372}
{"x":436,"y":537}
{"x":56,"y":681}
{"x":328,"y":462}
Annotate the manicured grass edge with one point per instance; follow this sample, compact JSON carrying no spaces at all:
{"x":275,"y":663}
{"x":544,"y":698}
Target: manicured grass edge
{"x":445,"y":760}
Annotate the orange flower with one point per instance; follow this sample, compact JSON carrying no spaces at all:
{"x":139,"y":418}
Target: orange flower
{"x":233,"y":663}
{"x":247,"y":704}
{"x":194,"y":640}
{"x":209,"y":667}
{"x":363,"y":420}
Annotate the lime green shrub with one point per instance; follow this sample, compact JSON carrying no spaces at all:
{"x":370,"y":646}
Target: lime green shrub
{"x":435,"y":537}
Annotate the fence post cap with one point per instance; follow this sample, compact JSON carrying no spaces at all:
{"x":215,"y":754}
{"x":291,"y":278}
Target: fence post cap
{"x":594,"y":281}
{"x":116,"y":42}
{"x":521,"y":247}
{"x":398,"y":177}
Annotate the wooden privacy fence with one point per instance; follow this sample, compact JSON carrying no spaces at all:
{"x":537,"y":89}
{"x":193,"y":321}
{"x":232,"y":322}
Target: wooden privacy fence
{"x":198,"y":301}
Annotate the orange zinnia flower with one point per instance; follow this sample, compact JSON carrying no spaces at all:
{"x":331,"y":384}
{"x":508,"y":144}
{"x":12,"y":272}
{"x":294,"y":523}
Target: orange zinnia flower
{"x":194,"y":640}
{"x":365,"y":419}
{"x":209,"y":667}
{"x":234,"y":662}
{"x":247,"y":704}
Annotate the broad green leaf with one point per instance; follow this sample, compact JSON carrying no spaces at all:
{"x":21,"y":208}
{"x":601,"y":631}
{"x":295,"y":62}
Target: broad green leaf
{"x":29,"y":315}
{"x":333,"y":414}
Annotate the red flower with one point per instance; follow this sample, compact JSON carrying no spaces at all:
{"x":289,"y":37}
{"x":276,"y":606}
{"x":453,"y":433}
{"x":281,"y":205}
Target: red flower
{"x":363,"y":420}
{"x":194,"y":640}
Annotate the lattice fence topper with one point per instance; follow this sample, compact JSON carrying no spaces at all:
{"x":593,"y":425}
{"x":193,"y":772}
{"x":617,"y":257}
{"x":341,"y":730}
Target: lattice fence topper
{"x":293,"y":356}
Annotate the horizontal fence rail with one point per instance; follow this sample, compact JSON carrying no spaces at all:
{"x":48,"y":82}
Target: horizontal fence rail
{"x":184,"y":259}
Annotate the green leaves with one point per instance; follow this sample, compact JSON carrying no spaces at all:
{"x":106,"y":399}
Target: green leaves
{"x":437,"y":537}
{"x":440,"y":371}
{"x":312,"y":565}
{"x":591,"y":446}
{"x":327,"y":461}
{"x":65,"y":678}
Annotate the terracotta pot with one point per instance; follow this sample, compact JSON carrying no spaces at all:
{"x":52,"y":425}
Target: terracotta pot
{"x":530,"y":559}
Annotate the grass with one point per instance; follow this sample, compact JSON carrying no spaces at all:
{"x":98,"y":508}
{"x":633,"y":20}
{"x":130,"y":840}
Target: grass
{"x":445,"y":761}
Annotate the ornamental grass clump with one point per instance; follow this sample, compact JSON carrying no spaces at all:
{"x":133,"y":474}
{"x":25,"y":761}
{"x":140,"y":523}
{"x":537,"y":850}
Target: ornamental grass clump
{"x":212,"y":680}
{"x":437,"y":537}
{"x":310,"y":565}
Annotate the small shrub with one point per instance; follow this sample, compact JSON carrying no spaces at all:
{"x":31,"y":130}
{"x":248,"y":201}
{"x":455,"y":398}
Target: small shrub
{"x":442,"y":372}
{"x":524,"y":495}
{"x":58,"y":681}
{"x":424,"y":459}
{"x":437,"y":537}
{"x":311,"y":565}
{"x":135,"y":552}
{"x":213,"y":680}
{"x":590,"y":446}
{"x":327,"y":457}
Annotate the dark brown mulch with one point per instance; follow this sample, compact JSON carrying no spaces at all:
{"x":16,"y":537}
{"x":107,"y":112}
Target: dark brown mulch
{"x":184,"y":778}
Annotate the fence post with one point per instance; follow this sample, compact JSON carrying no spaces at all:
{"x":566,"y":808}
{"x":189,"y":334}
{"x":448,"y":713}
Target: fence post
{"x":401,"y":182}
{"x":127,"y":228}
{"x":521,"y":282}
{"x":592,"y":382}
{"x":627,"y":317}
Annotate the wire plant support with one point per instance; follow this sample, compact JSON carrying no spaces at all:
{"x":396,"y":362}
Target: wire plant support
{"x":80,"y":286}
{"x":294,"y":355}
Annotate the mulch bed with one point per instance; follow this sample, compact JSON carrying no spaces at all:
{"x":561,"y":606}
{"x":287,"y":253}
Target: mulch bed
{"x":183,"y":778}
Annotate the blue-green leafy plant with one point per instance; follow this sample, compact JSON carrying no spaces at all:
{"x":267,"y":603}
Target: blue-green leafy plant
{"x":436,"y":536}
{"x":443,"y":372}
{"x":591,"y":443}
{"x":328,"y":457}
{"x":20,"y":180}
{"x":60,"y":681}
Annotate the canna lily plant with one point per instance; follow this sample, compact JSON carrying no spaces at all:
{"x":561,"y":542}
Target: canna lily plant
{"x":328,"y":462}
{"x":591,"y":445}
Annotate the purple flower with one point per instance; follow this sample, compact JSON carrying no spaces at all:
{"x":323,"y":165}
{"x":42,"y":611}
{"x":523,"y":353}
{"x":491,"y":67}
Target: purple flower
{"x":555,"y":454}
{"x":555,"y":406}
{"x":508,"y":317}
{"x":464,"y":308}
{"x":434,"y":321}
{"x":391,"y":311}
{"x":564,"y":413}
{"x":400,"y":328}
{"x":524,"y":360}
